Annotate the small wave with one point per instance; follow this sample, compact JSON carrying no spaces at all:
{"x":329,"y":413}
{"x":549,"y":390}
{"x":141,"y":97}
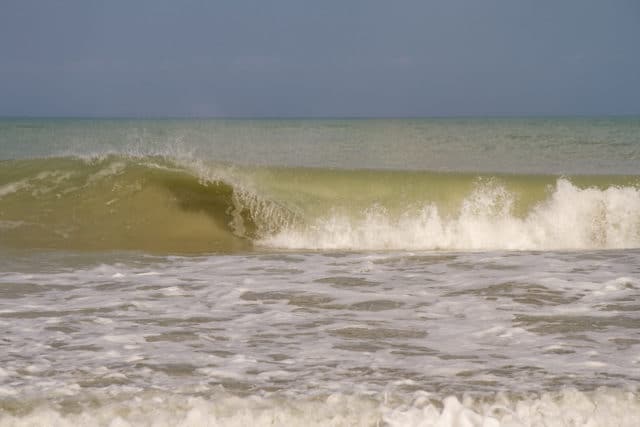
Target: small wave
{"x":569,"y":407}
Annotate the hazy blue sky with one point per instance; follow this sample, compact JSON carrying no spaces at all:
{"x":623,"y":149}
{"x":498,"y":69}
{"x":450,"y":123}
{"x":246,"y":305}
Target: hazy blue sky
{"x":319,"y":58}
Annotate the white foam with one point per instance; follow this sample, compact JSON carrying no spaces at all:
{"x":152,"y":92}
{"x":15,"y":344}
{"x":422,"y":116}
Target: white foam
{"x":491,"y":321}
{"x":570,"y":218}
{"x":9,"y":225}
{"x":115,"y":168}
{"x":172,"y":291}
{"x":13,"y":187}
{"x":569,"y":407}
{"x":130,"y":338}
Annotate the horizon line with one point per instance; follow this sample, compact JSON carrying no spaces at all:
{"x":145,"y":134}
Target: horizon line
{"x":313,"y":117}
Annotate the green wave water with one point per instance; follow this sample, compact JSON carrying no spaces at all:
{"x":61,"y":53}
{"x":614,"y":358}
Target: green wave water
{"x":169,"y":205}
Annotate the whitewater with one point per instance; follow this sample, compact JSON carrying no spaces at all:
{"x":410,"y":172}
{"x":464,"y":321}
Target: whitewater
{"x":418,"y":272}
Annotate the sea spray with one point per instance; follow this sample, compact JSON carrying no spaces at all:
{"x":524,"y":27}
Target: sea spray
{"x":569,"y":218}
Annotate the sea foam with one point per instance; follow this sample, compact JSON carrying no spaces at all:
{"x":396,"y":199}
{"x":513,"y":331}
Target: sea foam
{"x":554,"y":409}
{"x":569,"y":218}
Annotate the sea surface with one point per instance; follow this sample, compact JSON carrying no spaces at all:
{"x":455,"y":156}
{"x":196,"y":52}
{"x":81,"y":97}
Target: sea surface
{"x":469,"y":272}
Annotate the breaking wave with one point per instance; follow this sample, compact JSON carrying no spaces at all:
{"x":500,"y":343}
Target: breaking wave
{"x":568,"y":407}
{"x":570,"y":218}
{"x":161,"y":204}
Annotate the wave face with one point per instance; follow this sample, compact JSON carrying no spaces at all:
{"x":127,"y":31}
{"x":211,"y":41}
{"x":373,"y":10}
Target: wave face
{"x":116,"y":202}
{"x":163,"y":204}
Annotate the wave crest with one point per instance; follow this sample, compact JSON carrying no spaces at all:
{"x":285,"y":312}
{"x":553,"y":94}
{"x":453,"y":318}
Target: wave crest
{"x":570,"y":218}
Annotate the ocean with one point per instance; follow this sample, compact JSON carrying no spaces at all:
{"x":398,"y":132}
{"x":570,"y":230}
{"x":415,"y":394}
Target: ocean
{"x":469,"y":272}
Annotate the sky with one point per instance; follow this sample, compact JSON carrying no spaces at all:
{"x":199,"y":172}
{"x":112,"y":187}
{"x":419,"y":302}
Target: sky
{"x":329,"y":58}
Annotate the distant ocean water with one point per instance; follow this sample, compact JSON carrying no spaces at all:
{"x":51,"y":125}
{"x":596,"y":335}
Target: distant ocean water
{"x":406,"y":272}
